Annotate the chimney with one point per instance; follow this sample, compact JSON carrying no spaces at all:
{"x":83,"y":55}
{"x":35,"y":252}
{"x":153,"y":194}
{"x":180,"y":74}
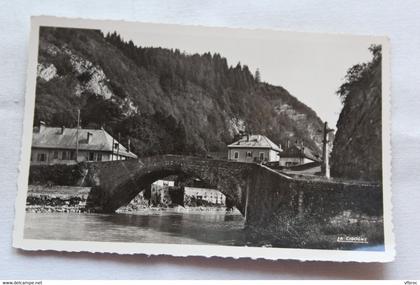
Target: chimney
{"x":41,"y":126}
{"x":89,"y":137}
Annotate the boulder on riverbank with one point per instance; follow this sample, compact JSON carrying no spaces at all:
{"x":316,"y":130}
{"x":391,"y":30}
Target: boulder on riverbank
{"x":67,"y":199}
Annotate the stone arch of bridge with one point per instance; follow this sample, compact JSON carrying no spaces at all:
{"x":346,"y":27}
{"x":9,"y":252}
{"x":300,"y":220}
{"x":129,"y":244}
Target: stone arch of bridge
{"x":137,"y":181}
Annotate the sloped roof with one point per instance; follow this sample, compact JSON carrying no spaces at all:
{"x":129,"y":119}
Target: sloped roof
{"x":299,"y":151}
{"x":100,"y":140}
{"x":255,"y":141}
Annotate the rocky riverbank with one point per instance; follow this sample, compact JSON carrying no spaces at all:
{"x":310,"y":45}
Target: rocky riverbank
{"x":72,"y":199}
{"x":180,"y":209}
{"x":64,"y":199}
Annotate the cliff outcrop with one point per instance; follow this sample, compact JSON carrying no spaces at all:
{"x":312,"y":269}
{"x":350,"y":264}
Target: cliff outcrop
{"x":357,"y":149}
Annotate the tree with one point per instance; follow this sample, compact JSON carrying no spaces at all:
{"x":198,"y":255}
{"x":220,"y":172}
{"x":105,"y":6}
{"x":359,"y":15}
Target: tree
{"x":359,"y":73}
{"x":98,"y":112}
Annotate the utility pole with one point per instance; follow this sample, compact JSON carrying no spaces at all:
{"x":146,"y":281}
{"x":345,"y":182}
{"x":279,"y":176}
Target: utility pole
{"x":77,"y":135}
{"x":112,"y":151}
{"x":118,"y":146}
{"x":325,"y":153}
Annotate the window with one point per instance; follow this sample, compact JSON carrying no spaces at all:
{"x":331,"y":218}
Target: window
{"x":41,"y":157}
{"x":236,"y":155}
{"x":72,"y":155}
{"x":91,"y":156}
{"x":99,"y":156}
{"x":64,"y":155}
{"x":249,"y":154}
{"x":55,"y":154}
{"x":261,"y":156}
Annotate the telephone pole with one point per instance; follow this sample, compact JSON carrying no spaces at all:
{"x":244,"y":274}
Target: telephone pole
{"x":77,"y":134}
{"x":118,"y":146}
{"x":325,"y":168}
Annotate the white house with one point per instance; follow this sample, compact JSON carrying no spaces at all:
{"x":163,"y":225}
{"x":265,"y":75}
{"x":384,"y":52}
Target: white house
{"x":159,"y":191}
{"x":254,"y":148}
{"x":52,"y":145}
{"x":204,"y":194}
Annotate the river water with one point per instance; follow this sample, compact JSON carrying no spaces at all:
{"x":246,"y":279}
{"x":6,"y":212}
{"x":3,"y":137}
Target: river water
{"x":162,"y":227}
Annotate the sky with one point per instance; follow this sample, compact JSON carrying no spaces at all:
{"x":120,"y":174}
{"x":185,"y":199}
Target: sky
{"x":310,"y":66}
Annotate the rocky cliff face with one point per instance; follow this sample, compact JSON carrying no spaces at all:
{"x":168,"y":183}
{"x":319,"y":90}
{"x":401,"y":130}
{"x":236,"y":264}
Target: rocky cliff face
{"x":165,"y":101}
{"x":357,"y":150}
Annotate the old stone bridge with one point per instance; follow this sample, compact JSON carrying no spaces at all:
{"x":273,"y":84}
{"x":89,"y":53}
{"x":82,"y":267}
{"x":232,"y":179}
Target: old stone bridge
{"x":257,"y":191}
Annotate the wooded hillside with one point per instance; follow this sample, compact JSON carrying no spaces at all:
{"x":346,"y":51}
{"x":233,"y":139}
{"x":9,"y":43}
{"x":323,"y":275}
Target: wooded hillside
{"x":164,"y":100}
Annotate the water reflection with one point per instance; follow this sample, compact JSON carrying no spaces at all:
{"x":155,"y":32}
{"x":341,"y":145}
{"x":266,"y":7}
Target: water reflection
{"x":165,"y":227}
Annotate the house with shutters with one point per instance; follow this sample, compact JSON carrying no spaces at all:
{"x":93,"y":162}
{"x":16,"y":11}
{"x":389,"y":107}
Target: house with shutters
{"x":254,"y":148}
{"x":52,"y":145}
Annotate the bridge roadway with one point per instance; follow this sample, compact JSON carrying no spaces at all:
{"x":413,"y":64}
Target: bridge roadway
{"x":260,"y":193}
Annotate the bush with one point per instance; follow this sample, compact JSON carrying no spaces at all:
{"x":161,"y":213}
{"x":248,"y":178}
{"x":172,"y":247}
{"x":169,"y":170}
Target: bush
{"x":59,"y":174}
{"x":63,"y":64}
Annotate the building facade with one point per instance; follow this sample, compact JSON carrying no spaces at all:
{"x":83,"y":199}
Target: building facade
{"x":52,"y":145}
{"x":297,"y":155}
{"x":160,"y":192}
{"x":211,"y":196}
{"x":254,"y":148}
{"x":164,"y":192}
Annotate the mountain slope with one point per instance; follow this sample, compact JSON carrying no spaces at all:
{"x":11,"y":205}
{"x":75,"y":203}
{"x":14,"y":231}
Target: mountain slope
{"x":165,"y":101}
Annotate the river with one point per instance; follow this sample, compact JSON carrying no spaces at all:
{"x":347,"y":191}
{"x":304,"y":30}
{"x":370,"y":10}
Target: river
{"x":156,"y":226}
{"x":217,"y":228}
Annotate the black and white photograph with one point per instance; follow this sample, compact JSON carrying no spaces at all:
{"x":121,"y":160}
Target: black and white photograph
{"x":192,"y":140}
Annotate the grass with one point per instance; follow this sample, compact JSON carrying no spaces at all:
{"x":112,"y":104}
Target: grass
{"x":309,"y":232}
